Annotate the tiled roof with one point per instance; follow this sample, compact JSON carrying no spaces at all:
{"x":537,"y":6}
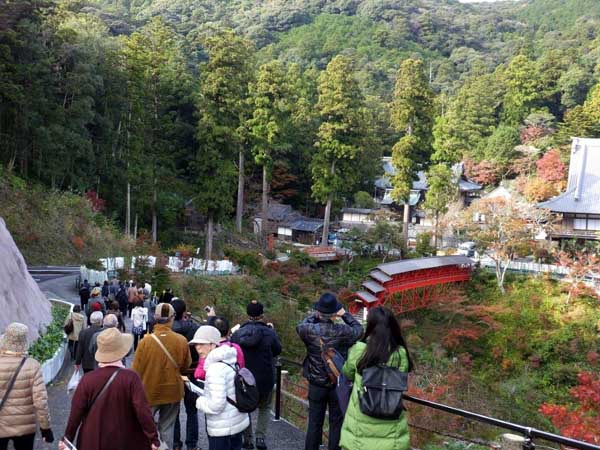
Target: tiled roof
{"x":465,"y":185}
{"x":304,"y":224}
{"x":374,"y":287}
{"x":367,"y":296}
{"x":357,"y":210}
{"x":583,"y":188}
{"x":379,"y":276}
{"x":420,"y":184}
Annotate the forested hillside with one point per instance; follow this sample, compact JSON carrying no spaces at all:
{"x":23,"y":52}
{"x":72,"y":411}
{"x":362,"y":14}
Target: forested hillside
{"x":153,"y":103}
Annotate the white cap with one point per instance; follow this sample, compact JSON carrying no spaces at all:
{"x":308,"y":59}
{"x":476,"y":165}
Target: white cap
{"x":206,"y":334}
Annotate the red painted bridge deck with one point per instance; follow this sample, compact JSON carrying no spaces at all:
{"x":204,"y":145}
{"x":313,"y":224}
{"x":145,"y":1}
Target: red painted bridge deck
{"x":411,"y":284}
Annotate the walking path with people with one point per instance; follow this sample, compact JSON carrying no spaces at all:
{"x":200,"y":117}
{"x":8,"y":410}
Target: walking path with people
{"x":281,"y":435}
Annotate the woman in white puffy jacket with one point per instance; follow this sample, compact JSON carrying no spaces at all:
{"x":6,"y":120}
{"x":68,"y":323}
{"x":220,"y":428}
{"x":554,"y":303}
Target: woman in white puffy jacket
{"x":224,"y":422}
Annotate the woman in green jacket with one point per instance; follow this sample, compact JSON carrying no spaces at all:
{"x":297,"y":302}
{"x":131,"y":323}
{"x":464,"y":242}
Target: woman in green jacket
{"x":382,"y":344}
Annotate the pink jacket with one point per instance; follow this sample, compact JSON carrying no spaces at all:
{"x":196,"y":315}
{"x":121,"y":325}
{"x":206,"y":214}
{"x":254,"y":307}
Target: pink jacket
{"x":200,"y":373}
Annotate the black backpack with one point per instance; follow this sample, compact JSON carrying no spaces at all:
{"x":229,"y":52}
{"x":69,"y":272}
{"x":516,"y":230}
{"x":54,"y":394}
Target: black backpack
{"x":381,"y":394}
{"x":246,"y":392}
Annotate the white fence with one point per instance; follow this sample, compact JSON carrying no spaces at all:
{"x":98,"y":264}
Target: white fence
{"x":524,"y":266}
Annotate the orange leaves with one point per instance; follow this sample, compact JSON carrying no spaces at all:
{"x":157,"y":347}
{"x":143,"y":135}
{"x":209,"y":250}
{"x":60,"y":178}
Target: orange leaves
{"x":550,"y":168}
{"x":579,"y":265}
{"x":77,"y":242}
{"x":583,"y":421}
{"x":453,"y":337}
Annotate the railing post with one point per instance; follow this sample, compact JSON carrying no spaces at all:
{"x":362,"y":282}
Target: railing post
{"x":278,"y":390}
{"x":528,"y":443}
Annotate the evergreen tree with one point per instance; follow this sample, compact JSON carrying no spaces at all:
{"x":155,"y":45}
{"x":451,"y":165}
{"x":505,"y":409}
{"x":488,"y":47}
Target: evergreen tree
{"x":268,"y":123}
{"x":341,"y":133}
{"x":523,"y":89}
{"x":222,"y":114}
{"x":411,"y":115}
{"x":440,"y":193}
{"x":158,"y":84}
{"x":471,"y":117}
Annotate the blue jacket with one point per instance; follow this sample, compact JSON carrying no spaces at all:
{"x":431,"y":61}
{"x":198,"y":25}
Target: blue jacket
{"x":260,"y":345}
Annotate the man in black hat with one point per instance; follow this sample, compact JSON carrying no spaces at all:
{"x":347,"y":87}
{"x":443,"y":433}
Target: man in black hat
{"x":318,"y":332}
{"x":260,"y":345}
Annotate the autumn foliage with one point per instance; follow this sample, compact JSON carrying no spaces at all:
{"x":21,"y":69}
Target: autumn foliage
{"x":550,"y":168}
{"x":582,"y":421}
{"x":539,"y":190}
{"x":533,"y":133}
{"x":484,"y":172}
{"x":96,"y":203}
{"x":579,"y":266}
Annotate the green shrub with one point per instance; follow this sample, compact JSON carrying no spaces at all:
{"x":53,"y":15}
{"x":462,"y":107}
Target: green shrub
{"x":44,"y":348}
{"x":248,"y":261}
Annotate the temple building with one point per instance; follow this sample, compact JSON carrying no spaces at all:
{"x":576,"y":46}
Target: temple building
{"x":578,"y":208}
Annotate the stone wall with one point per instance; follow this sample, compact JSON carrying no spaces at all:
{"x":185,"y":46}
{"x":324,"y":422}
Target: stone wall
{"x":21,"y":300}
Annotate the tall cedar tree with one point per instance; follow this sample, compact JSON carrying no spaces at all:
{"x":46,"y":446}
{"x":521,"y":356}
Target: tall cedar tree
{"x":222,"y":114}
{"x":471,"y":118}
{"x":268,"y":123}
{"x":341,"y":135}
{"x":158,"y":81}
{"x":412,"y":115}
{"x":523,"y":89}
{"x":440,"y":193}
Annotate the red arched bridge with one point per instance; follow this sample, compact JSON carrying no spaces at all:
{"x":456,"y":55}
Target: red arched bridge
{"x":411,"y":284}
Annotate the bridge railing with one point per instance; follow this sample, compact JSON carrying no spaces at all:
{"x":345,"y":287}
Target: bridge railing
{"x":529,"y":434}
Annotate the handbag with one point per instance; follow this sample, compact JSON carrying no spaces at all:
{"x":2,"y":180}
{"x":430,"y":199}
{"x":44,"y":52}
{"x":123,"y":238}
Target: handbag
{"x":11,"y":383}
{"x":334,"y":362}
{"x":69,"y":326}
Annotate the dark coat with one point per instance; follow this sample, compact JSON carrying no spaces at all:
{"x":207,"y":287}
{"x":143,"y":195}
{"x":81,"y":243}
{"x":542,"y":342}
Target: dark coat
{"x":187,"y":329}
{"x":84,"y":356}
{"x":340,"y":336}
{"x":122,"y":298}
{"x":84,"y":293}
{"x":121,"y":418}
{"x":260,"y":345}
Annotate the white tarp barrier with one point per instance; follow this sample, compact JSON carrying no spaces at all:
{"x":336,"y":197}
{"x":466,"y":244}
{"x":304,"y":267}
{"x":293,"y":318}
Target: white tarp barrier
{"x":93,"y":276}
{"x":174,"y":264}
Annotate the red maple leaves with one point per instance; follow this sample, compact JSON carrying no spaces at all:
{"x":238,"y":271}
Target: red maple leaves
{"x":583,"y":421}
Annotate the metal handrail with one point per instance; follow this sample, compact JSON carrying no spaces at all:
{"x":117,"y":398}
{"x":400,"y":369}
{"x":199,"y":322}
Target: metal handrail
{"x":528,"y":432}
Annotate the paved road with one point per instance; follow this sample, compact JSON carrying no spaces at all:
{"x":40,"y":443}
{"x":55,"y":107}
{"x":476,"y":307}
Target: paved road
{"x":282,"y":436}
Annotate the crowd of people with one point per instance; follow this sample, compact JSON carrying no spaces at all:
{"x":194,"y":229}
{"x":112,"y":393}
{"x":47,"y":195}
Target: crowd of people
{"x":205,"y":367}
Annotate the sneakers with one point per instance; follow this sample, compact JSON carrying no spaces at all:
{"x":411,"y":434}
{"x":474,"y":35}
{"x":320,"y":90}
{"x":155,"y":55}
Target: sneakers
{"x":248,"y":445}
{"x":260,"y":443}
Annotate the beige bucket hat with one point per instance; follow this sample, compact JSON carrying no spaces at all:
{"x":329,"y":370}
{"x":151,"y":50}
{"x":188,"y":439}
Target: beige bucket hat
{"x":14,"y":339}
{"x":113,"y":345}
